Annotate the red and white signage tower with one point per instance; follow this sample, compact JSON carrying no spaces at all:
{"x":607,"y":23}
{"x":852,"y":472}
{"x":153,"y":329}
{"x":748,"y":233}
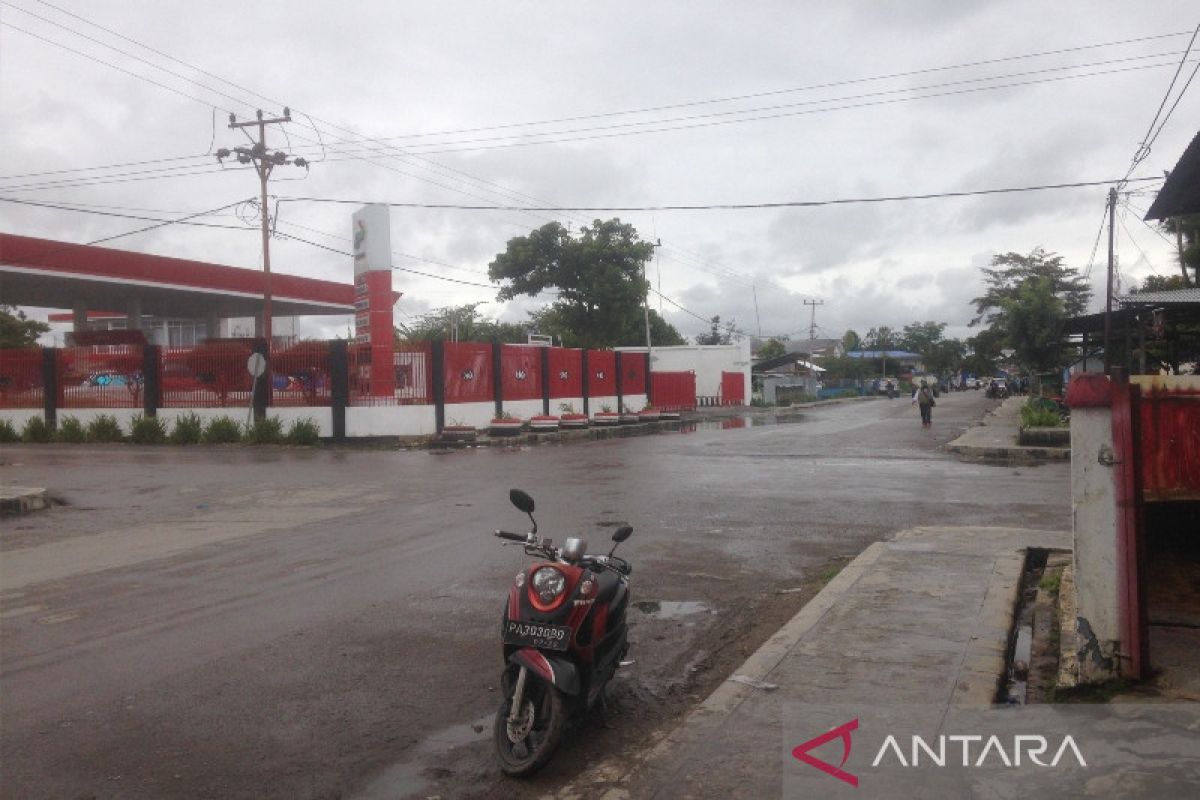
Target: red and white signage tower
{"x":373,"y":296}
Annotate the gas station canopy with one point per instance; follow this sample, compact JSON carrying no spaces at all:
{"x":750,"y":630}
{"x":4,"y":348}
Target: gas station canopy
{"x":54,"y":274}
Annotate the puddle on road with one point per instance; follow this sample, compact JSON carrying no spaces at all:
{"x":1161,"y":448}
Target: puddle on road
{"x":409,"y":777}
{"x":729,"y":423}
{"x":672,"y":609}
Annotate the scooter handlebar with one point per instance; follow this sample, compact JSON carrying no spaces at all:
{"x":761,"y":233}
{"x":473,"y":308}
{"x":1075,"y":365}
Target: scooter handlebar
{"x":515,"y":537}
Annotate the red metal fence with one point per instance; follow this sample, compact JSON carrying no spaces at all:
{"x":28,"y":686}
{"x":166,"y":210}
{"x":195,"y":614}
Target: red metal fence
{"x":673,"y":391}
{"x":300,"y":375}
{"x":414,"y":377}
{"x":521,"y":372}
{"x":21,"y":378}
{"x":566,"y":372}
{"x":108,"y":376}
{"x":209,"y":375}
{"x":633,"y":373}
{"x":602,"y":373}
{"x":1169,"y":441}
{"x":733,"y":389}
{"x":468,"y":372}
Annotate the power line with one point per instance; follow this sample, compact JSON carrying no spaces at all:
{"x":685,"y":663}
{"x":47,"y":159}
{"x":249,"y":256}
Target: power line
{"x":719,"y":206}
{"x":1148,"y":140}
{"x":96,"y":212}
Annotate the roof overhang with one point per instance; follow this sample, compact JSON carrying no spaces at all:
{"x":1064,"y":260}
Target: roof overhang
{"x":54,"y":274}
{"x":1180,"y":194}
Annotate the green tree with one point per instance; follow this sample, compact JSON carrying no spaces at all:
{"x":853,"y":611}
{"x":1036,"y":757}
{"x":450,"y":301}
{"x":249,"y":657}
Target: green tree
{"x":881,"y":338}
{"x":1033,"y":324}
{"x":983,"y":352}
{"x":921,"y":337}
{"x":1187,"y":238}
{"x":597,"y":274}
{"x":463,"y":323}
{"x":771,"y":348}
{"x":1011,"y":270}
{"x":1026,"y":302}
{"x":851,"y":340}
{"x":1169,"y":341}
{"x":717,"y":335}
{"x":551,"y":321}
{"x":17,"y":330}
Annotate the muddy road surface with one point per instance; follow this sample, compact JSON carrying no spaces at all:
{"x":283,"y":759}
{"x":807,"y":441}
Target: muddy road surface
{"x":275,"y":623}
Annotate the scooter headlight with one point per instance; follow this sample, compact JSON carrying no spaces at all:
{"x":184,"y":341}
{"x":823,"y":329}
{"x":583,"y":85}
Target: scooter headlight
{"x":548,"y":583}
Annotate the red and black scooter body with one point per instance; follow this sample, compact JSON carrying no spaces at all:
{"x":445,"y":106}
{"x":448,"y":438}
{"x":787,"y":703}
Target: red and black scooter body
{"x":574,"y":642}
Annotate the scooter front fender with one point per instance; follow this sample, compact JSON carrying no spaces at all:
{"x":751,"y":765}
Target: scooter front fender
{"x":559,"y":672}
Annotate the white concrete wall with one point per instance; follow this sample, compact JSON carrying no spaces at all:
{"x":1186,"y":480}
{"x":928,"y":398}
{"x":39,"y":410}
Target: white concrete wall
{"x":524,"y":409}
{"x":635,"y":402}
{"x":397,"y":420}
{"x":707,"y":361}
{"x":1094,"y":523}
{"x":556,"y":404}
{"x":477,"y":415}
{"x":19,"y":416}
{"x":599,"y":402}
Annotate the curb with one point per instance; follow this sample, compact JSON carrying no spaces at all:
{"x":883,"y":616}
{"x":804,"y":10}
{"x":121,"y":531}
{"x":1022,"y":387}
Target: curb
{"x":21,"y":500}
{"x":1016,"y":454}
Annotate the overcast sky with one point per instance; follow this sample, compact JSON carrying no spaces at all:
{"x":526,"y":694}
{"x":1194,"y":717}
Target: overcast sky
{"x":757,"y":102}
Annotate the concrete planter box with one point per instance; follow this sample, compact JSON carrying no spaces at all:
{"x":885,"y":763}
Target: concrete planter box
{"x":459,"y":433}
{"x":669,"y":415}
{"x":505,"y":427}
{"x":649,"y":416}
{"x":543,"y":423}
{"x":606,"y":418}
{"x":573,"y":421}
{"x":1045,"y":437}
{"x":629,"y":419}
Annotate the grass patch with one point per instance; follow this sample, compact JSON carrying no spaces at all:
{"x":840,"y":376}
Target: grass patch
{"x":1035,"y":415}
{"x":268,"y":430}
{"x":829,"y":572}
{"x":222,"y":430}
{"x":1051,"y":582}
{"x":304,"y":432}
{"x":71,"y":431}
{"x":147,"y":430}
{"x":36,"y":431}
{"x":188,"y":429}
{"x":105,"y":428}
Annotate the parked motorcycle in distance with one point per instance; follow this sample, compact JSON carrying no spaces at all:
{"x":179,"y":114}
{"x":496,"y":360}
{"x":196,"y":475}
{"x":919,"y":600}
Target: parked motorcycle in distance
{"x":564,"y":635}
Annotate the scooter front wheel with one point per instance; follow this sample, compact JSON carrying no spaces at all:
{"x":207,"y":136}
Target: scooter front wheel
{"x":526,"y":745}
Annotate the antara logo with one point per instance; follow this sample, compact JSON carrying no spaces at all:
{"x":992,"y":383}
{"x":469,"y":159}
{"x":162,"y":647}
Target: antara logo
{"x":519,"y":374}
{"x":993,"y":752}
{"x":563,"y":375}
{"x":468,"y":374}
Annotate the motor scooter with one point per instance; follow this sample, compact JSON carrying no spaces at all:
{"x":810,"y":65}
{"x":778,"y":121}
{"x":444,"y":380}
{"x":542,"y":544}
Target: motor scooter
{"x":564,"y":635}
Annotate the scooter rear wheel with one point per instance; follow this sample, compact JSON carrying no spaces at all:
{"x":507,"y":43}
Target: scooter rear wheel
{"x":537,"y":733}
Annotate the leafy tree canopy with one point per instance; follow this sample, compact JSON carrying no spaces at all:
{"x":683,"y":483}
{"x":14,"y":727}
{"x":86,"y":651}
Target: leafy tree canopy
{"x":851,"y":340}
{"x":1033,"y":324}
{"x":598,"y":275}
{"x":463,"y":323}
{"x":921,"y":337}
{"x":771,"y":348}
{"x":1010,"y":270}
{"x":17,"y":330}
{"x":881,"y":338}
{"x":718,"y":333}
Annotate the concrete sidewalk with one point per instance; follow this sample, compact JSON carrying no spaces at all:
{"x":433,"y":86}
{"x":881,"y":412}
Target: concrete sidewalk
{"x":995,"y":438}
{"x":923,"y":619}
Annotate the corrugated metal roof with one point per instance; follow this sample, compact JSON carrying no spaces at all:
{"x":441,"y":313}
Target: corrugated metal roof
{"x":1167,"y":298}
{"x":1180,"y":195}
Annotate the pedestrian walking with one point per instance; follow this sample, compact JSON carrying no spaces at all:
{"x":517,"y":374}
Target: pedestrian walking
{"x":923,"y":399}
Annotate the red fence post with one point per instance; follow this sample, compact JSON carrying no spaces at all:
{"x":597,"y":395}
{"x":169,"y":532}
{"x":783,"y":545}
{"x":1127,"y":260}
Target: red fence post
{"x":1130,"y":546}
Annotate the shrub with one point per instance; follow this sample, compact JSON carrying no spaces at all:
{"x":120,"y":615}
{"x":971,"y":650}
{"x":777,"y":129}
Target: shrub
{"x":1033,"y":416}
{"x":36,"y":430}
{"x":304,"y":431}
{"x":104,"y":428}
{"x":222,"y":430}
{"x":188,"y":429}
{"x":268,"y":430}
{"x":8,"y":433}
{"x":147,"y":430}
{"x":71,"y":430}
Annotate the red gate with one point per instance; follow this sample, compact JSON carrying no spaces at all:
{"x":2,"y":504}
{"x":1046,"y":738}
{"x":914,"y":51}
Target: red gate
{"x":673,"y":391}
{"x":733,"y":389}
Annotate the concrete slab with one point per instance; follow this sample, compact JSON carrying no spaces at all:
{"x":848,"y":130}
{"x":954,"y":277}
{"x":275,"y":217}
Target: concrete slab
{"x":997,"y":439}
{"x":21,"y":499}
{"x":920,"y":620}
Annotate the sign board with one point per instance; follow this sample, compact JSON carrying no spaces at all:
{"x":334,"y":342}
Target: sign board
{"x":372,"y":236}
{"x":256,"y":365}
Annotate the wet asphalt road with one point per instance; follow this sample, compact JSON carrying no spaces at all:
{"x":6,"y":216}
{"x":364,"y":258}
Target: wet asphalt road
{"x":241,"y":622}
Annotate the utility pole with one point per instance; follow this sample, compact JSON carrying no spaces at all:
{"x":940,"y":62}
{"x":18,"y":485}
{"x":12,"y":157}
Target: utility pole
{"x":264,"y":163}
{"x":812,"y":325}
{"x":757,"y":320}
{"x":1108,"y":294}
{"x":646,"y":302}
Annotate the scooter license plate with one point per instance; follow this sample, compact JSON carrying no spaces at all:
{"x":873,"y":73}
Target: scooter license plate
{"x":536,"y":634}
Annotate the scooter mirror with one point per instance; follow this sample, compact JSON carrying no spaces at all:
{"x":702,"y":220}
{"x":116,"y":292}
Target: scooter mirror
{"x":622,"y":533}
{"x":521,"y":500}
